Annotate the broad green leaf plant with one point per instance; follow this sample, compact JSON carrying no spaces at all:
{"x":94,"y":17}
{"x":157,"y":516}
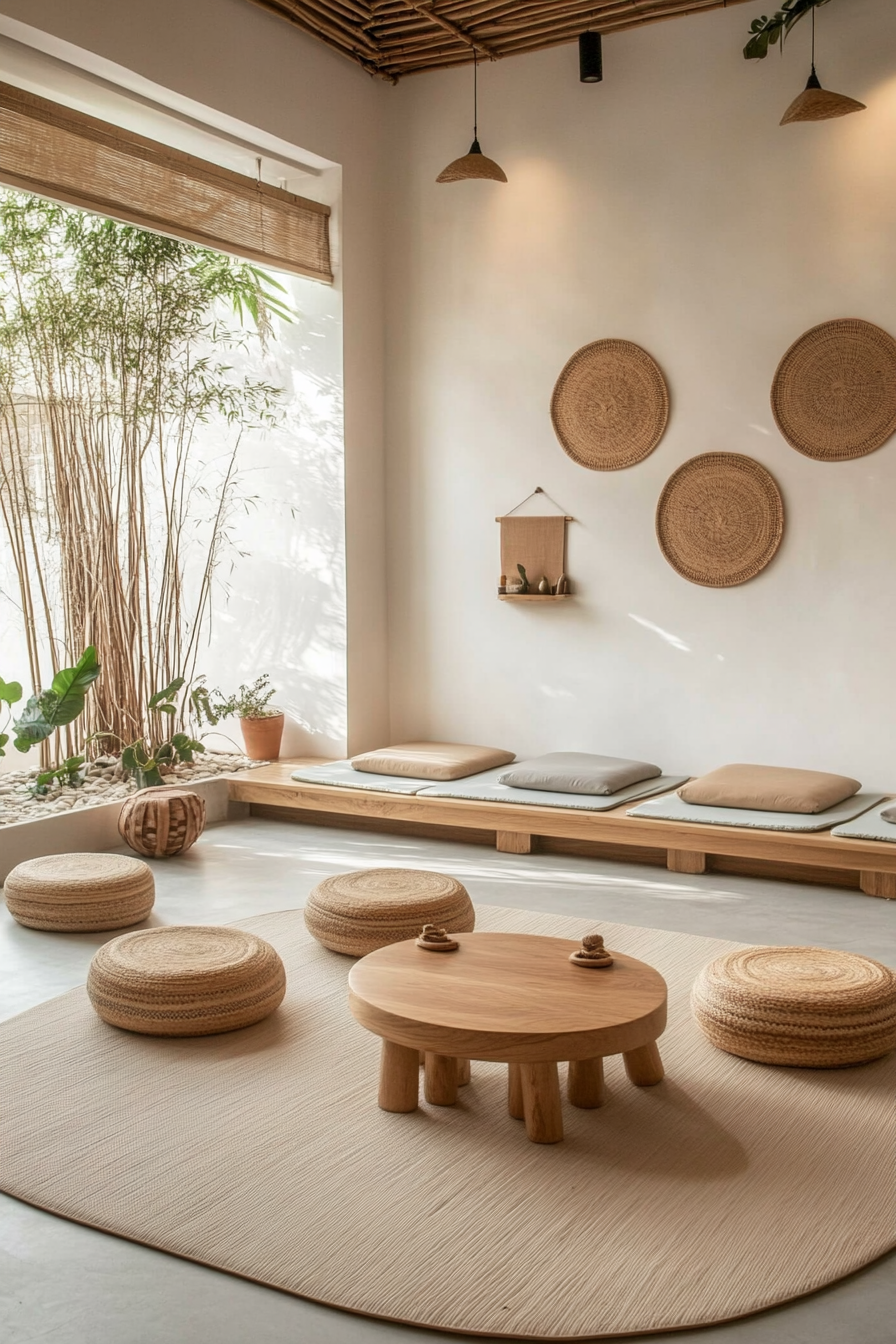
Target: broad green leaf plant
{"x":769,"y":31}
{"x":46,"y":711}
{"x":146,"y":758}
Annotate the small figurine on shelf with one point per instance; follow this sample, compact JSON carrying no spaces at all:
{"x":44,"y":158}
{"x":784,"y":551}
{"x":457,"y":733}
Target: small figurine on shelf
{"x":562,"y":584}
{"x":544,"y":587}
{"x":525,"y":579}
{"x":502,"y":584}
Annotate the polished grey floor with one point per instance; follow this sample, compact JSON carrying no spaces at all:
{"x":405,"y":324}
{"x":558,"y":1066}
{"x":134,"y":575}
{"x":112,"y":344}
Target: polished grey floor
{"x":64,"y":1284}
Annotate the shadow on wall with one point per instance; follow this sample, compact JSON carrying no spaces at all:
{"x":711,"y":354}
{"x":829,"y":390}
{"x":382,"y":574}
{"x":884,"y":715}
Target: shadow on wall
{"x":279,"y":604}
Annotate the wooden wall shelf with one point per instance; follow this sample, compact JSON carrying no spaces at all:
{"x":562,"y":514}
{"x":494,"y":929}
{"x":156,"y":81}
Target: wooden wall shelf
{"x":534,"y":597}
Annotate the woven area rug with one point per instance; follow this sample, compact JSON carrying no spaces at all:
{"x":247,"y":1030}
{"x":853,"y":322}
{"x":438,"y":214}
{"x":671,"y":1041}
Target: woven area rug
{"x":729,"y":1187}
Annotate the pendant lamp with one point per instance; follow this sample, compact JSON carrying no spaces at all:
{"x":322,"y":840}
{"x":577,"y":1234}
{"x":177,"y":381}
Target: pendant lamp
{"x":816,"y":103}
{"x":475,"y":164}
{"x":591,"y":61}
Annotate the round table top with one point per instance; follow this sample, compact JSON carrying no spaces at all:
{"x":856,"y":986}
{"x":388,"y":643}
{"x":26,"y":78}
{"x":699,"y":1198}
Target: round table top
{"x":507,"y":996}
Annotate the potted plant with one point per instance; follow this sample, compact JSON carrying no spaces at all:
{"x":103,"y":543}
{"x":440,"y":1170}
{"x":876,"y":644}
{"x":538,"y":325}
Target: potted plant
{"x":260,"y":721}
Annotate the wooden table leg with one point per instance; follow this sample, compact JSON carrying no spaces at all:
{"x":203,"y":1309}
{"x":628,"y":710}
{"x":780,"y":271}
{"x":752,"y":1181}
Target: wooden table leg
{"x":399,"y":1078}
{"x":463,"y":1072}
{"x":541,"y":1102}
{"x":644,"y":1066}
{"x":585,"y":1084}
{"x":515,"y":1092}
{"x":440,"y":1079}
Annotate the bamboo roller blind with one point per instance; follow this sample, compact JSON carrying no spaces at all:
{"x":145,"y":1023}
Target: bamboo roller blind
{"x":536,"y":543}
{"x":57,"y":152}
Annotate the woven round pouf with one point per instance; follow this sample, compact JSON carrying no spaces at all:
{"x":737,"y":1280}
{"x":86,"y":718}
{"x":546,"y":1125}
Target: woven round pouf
{"x":162,"y":822}
{"x":186,"y":981}
{"x":803,"y":1006}
{"x":358,"y":912}
{"x":80,"y":893}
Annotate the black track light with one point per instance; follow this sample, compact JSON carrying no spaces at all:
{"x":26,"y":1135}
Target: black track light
{"x":591,"y":63}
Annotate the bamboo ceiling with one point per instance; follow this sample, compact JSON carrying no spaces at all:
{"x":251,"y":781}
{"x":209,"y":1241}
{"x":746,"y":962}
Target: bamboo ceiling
{"x":391,"y":38}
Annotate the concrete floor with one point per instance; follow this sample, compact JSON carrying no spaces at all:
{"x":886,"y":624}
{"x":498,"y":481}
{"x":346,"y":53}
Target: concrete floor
{"x":64,"y":1284}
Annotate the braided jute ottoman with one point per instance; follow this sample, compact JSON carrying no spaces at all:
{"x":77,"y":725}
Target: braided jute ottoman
{"x":357,"y":913}
{"x":802,"y":1006}
{"x":80,"y":893}
{"x":186,"y":980}
{"x":162,"y":822}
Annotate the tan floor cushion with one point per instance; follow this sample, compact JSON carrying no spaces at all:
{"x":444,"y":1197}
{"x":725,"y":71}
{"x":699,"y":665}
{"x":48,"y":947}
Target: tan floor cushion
{"x":769,"y":788}
{"x":432,"y":760}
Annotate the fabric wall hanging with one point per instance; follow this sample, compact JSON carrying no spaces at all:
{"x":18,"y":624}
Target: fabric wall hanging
{"x":834,"y":393}
{"x":537,"y":542}
{"x":610,"y":405}
{"x":720,"y":519}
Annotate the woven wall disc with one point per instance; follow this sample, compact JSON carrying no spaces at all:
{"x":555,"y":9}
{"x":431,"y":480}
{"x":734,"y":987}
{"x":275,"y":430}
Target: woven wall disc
{"x":720,"y":519}
{"x":610,"y":405}
{"x":834,"y":393}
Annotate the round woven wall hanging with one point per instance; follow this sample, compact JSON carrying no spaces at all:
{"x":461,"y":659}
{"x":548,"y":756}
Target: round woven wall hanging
{"x":720,"y":519}
{"x":610,"y":405}
{"x":834,"y":393}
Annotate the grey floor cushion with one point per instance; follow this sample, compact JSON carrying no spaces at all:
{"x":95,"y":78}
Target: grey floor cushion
{"x":341,"y":775}
{"x":673,"y":808}
{"x":872,"y":825}
{"x":578,"y":772}
{"x":487,"y":788}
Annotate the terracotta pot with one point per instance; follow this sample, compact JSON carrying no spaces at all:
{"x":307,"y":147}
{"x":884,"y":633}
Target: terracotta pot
{"x":262,"y":737}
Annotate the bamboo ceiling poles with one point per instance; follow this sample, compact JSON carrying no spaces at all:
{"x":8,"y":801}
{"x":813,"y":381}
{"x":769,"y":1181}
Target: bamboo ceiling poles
{"x":391,"y":38}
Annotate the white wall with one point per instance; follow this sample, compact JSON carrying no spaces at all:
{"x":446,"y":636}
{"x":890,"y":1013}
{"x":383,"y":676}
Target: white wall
{"x":232,"y":57}
{"x":665,"y":206}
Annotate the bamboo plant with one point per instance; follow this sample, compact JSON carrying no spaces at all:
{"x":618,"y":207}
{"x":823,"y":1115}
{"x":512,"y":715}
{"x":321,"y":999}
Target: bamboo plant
{"x":116,"y":349}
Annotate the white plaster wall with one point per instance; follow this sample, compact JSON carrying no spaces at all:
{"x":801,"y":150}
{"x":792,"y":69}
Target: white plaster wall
{"x":665,"y":206}
{"x":233,"y":57}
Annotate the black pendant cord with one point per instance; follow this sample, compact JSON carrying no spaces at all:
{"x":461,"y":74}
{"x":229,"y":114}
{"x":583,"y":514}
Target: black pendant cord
{"x":813,"y":78}
{"x":475,"y":146}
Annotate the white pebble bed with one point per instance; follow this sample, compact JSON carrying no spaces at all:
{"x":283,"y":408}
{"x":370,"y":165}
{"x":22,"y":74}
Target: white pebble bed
{"x":105,"y":783}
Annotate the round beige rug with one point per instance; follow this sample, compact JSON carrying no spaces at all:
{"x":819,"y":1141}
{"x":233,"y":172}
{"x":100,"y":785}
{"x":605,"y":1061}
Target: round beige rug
{"x":729,"y":1187}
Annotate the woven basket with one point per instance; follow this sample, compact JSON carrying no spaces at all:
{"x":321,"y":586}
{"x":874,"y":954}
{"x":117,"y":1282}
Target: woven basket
{"x":720,"y":519}
{"x":80,"y":893}
{"x":610,"y":405}
{"x":802,"y":1006}
{"x":356,"y":913}
{"x":834,"y":392}
{"x":186,"y":981}
{"x":162,"y":822}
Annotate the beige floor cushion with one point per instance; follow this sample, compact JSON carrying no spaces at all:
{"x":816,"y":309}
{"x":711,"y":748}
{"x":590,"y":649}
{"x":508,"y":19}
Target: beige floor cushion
{"x":432,"y":760}
{"x":578,"y":772}
{"x":769,"y":788}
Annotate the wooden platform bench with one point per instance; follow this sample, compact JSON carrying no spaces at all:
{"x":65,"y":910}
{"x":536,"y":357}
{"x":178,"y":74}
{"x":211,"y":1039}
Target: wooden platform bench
{"x":817,"y":857}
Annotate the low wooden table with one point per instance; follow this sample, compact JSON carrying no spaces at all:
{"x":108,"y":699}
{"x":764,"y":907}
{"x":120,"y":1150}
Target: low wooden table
{"x":515,"y":998}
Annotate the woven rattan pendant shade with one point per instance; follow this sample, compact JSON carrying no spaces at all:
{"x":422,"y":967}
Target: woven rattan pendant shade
{"x":817,"y":104}
{"x":720,"y":519}
{"x":610,"y":405}
{"x":834,"y":392}
{"x":473,"y":165}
